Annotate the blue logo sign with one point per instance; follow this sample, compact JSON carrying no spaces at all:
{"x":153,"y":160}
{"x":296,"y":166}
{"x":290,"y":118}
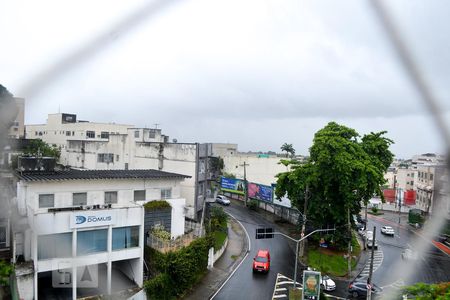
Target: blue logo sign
{"x":80,"y":219}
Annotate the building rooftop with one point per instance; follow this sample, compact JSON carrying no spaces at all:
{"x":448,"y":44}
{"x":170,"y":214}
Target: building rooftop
{"x":96,"y":174}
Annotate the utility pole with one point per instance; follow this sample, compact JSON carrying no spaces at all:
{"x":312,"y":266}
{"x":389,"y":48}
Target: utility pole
{"x":395,"y":190}
{"x":349,"y":260}
{"x":245,"y":182}
{"x":399,"y":205}
{"x":369,"y":280}
{"x":365,"y":228}
{"x":205,"y":184}
{"x":305,"y":206}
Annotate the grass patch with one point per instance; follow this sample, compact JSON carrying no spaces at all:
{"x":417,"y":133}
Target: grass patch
{"x":328,"y":261}
{"x":219,"y":239}
{"x":234,"y":257}
{"x":375,"y":213}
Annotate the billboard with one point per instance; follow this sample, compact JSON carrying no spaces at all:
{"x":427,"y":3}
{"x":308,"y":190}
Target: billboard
{"x":260,"y":192}
{"x":232,"y":185}
{"x":311,"y":285}
{"x":283,"y":201}
{"x":94,"y":218}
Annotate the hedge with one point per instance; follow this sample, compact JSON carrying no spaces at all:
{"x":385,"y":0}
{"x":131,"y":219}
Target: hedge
{"x":178,"y":270}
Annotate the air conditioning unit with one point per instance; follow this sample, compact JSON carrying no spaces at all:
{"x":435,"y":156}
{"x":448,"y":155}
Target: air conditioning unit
{"x":87,"y":207}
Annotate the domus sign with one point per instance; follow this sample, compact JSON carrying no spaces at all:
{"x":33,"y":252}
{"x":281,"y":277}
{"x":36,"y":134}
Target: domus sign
{"x":91,"y":219}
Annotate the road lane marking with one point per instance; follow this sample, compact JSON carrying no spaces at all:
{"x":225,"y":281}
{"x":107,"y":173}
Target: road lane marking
{"x":234,"y":271}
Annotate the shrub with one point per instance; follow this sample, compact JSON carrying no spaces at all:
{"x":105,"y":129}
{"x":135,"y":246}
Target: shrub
{"x":179,"y":270}
{"x":159,"y":287}
{"x":252,"y":204}
{"x":5,"y":270}
{"x":157,"y":204}
{"x":161,"y":233}
{"x":375,"y":209}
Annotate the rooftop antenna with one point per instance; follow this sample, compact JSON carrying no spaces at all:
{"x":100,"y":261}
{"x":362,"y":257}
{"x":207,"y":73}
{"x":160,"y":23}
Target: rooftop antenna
{"x":156,"y":125}
{"x":59,"y":108}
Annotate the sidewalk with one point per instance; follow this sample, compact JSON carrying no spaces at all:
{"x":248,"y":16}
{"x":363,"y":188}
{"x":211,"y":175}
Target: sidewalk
{"x":224,"y":266}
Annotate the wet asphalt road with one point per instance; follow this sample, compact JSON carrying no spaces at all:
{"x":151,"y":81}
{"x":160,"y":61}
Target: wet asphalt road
{"x":246,"y":285}
{"x":432,"y":267}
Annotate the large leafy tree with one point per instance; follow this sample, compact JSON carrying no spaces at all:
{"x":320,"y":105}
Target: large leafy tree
{"x":39,"y":147}
{"x":343,"y":170}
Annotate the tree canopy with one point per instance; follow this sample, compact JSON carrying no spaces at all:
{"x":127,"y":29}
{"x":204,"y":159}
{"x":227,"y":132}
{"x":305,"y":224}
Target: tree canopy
{"x":343,"y":170}
{"x":43,"y":148}
{"x":288,"y":148}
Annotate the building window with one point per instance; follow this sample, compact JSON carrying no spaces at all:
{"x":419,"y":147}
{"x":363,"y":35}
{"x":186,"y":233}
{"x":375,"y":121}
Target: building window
{"x":125,"y":237}
{"x":46,"y":200}
{"x":68,"y":133}
{"x":152,"y":133}
{"x":90,"y":134}
{"x":105,"y":157}
{"x":110,"y":197}
{"x":139,"y":195}
{"x":79,"y":199}
{"x":104,"y":134}
{"x":431,"y":176}
{"x":92,"y":241}
{"x":117,"y":157}
{"x":3,"y":240}
{"x":55,"y":245}
{"x":136,"y":134}
{"x":166,"y":193}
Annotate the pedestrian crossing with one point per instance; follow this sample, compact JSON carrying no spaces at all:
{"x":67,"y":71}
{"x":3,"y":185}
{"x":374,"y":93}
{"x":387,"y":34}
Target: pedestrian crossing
{"x":377,"y":261}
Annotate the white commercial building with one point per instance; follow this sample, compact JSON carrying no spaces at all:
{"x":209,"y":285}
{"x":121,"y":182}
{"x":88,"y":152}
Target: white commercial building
{"x":110,"y":146}
{"x":83,"y":231}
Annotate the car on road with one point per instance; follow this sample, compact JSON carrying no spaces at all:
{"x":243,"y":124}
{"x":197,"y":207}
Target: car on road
{"x":387,"y":230}
{"x":371,"y":243}
{"x":261,"y":261}
{"x":358,"y":289}
{"x":222,"y":200}
{"x":409,"y":254}
{"x":327,"y":283}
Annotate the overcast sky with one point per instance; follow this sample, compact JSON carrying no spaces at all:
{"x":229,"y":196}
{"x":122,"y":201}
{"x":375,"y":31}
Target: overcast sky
{"x":256,"y":73}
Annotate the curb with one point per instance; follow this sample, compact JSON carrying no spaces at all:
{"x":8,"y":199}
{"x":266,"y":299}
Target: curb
{"x":243,"y":255}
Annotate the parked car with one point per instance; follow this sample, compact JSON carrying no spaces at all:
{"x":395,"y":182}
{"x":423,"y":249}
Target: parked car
{"x":367,"y":234}
{"x":327,"y":283}
{"x":409,"y":254}
{"x":360,"y":219}
{"x":261,"y":262}
{"x":388,"y":230}
{"x":359,"y":289}
{"x":222,"y":200}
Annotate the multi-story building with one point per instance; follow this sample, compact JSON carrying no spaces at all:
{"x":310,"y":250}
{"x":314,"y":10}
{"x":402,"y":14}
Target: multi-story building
{"x":427,"y":186}
{"x":17,"y":130}
{"x":87,"y":145}
{"x":62,"y":127}
{"x":81,"y":232}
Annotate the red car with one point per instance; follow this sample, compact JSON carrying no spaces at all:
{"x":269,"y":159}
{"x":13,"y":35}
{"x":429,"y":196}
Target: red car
{"x":261,"y":262}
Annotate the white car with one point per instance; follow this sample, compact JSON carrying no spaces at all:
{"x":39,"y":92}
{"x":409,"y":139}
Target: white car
{"x":328,"y":284}
{"x":371,"y":244}
{"x":368,"y":234}
{"x":222,"y":200}
{"x":388,"y":230}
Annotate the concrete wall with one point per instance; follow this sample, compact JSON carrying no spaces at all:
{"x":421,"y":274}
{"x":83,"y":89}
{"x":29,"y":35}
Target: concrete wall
{"x":28,"y":193}
{"x":260,"y":169}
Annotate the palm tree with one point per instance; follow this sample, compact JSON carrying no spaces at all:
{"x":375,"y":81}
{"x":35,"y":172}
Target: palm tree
{"x":288,"y":148}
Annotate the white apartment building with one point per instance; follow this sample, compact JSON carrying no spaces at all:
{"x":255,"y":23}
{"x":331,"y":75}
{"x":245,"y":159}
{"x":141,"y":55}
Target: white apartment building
{"x":428,"y":179}
{"x":87,"y":145}
{"x":87,"y":225}
{"x":61,"y":127}
{"x":17,"y":130}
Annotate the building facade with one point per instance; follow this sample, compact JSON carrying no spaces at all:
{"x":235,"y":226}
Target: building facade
{"x":428,"y":177}
{"x":87,"y":145}
{"x":78,"y":225}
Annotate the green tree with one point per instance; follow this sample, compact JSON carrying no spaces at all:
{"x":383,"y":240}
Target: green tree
{"x":41,"y":147}
{"x":342,"y":171}
{"x":288,"y":148}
